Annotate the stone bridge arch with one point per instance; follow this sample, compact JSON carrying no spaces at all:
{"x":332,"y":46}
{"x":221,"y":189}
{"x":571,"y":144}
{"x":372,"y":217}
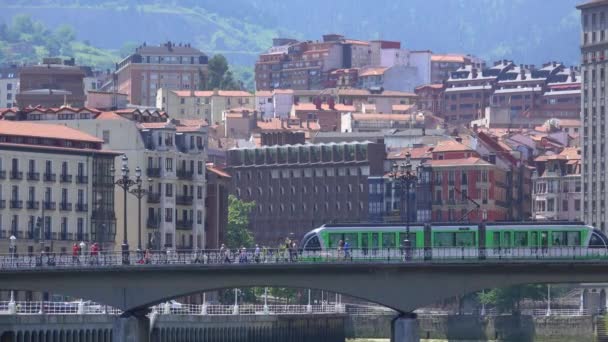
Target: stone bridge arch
{"x":403,"y":287}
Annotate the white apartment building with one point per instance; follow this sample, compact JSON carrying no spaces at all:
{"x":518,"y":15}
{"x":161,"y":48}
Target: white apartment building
{"x":56,"y":188}
{"x":172,"y":156}
{"x":274,"y":104}
{"x":209,"y":105}
{"x":556,"y":185}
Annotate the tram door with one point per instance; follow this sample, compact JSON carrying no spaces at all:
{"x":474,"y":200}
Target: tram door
{"x":544,"y":239}
{"x":365,"y":243}
{"x":534,"y":239}
{"x":375,"y":242}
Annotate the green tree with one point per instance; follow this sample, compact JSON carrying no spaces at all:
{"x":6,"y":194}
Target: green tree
{"x":238,"y":234}
{"x":509,"y":298}
{"x":22,"y":23}
{"x":219,"y":76}
{"x":65,"y":34}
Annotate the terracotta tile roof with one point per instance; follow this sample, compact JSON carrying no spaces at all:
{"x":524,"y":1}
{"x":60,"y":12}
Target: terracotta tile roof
{"x":450,"y":146}
{"x":109,"y":116}
{"x":239,"y":93}
{"x":571,"y":153}
{"x":193,"y":122}
{"x":431,"y":85}
{"x":569,"y":122}
{"x":415,"y":152}
{"x":208,"y":93}
{"x":311,"y":107}
{"x":401,"y":107}
{"x":57,"y":148}
{"x":51,"y":131}
{"x":459,"y":162}
{"x":448,"y":58}
{"x":283,"y":91}
{"x":263,"y":93}
{"x":154,"y":125}
{"x":372,"y":72}
{"x":239,"y":110}
{"x":217,"y":170}
{"x":385,"y":117}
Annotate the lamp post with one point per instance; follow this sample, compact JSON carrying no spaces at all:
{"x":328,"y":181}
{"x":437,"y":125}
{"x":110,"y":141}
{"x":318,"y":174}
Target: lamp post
{"x":139,"y":193}
{"x":402,"y":177}
{"x":125,"y":183}
{"x":12,"y":249}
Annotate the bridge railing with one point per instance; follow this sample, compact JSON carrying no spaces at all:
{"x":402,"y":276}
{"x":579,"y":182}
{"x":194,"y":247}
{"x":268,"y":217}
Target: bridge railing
{"x":282,"y":256}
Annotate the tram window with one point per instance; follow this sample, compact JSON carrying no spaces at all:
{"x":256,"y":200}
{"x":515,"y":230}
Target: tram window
{"x":506,"y":241}
{"x":313,"y":244}
{"x":520,"y":239}
{"x":496,"y":237}
{"x":444,"y":239}
{"x":364,"y":241}
{"x":559,"y":239}
{"x":534,"y":239}
{"x":465,"y":239}
{"x":596,"y":241}
{"x":375,"y":240}
{"x":334,"y":240}
{"x":388,"y":240}
{"x":574,"y":238}
{"x":352,"y":240}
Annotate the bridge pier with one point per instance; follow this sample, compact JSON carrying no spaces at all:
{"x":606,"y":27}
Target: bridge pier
{"x":404,"y":328}
{"x":132,"y":327}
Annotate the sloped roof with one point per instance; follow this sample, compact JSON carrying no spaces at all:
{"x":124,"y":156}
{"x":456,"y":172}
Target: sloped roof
{"x":51,"y":131}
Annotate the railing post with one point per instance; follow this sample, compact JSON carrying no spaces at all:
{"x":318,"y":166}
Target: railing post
{"x":204,"y":306}
{"x":12,"y":307}
{"x":80,"y":307}
{"x":167,"y":308}
{"x":266,"y":311}
{"x":309,"y":307}
{"x":235,"y":308}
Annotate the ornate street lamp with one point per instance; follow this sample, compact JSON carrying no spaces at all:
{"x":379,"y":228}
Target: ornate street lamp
{"x":402,"y":177}
{"x":125,"y":183}
{"x":139,"y":193}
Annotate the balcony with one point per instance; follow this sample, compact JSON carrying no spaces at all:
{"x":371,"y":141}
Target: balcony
{"x":32,"y":205}
{"x":82,"y":207}
{"x":103,"y":215}
{"x":65,"y":206}
{"x":49,"y":205}
{"x":153,"y":197}
{"x":16,"y":204}
{"x":153,"y":172}
{"x":184,"y":224}
{"x":2,"y":204}
{"x":153,"y":222}
{"x":184,"y":174}
{"x":3,"y":174}
{"x":33,"y":176}
{"x":64,"y":178}
{"x":80,"y":179}
{"x":183,"y":200}
{"x":50,"y":177}
{"x":17,"y":175}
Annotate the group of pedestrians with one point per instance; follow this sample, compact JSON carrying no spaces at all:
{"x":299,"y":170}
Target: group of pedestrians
{"x":78,"y":253}
{"x":286,"y":251}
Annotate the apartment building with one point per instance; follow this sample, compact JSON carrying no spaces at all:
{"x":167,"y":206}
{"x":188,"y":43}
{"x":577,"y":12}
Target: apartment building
{"x":149,"y":68}
{"x":594,"y":45}
{"x":430,"y":98}
{"x":206,"y":105}
{"x":557,"y":186}
{"x":51,"y":84}
{"x":442,"y":65}
{"x":56,"y":188}
{"x":172,"y":157}
{"x":9,"y":86}
{"x":300,"y":187}
{"x":274,"y":104}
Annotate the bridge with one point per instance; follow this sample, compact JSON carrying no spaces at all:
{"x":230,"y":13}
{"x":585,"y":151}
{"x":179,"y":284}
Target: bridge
{"x":385,"y":278}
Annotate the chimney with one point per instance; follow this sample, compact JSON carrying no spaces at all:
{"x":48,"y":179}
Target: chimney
{"x":282,"y":124}
{"x":318,"y":102}
{"x":458,"y":139}
{"x":523,"y":73}
{"x":308,"y":123}
{"x":572,"y":75}
{"x":474,"y":72}
{"x":301,"y":124}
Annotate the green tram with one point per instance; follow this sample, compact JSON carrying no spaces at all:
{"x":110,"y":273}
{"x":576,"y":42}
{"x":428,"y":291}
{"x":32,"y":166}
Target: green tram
{"x":500,"y":239}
